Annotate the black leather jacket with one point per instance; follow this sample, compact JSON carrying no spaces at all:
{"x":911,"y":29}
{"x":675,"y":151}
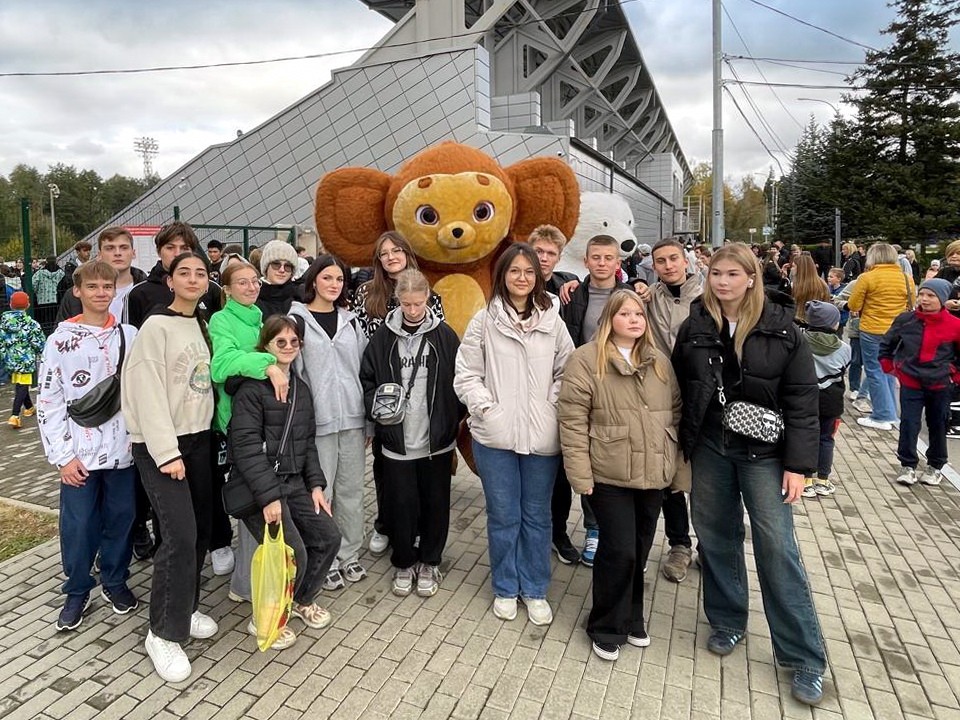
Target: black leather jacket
{"x":776,"y":371}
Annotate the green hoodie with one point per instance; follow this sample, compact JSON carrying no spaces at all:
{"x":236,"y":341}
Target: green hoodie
{"x":234,"y":332}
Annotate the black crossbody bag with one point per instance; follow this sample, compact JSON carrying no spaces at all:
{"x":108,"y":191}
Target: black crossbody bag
{"x":746,"y":418}
{"x":102,"y":402}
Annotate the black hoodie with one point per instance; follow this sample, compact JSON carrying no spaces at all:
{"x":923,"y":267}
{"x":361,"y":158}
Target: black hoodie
{"x":153,"y":293}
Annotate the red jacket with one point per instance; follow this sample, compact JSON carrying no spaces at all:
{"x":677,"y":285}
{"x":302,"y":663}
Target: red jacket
{"x":922,"y":349}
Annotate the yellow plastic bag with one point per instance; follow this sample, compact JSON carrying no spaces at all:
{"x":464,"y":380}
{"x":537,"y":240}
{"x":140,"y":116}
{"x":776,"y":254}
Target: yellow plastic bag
{"x":271,"y":582}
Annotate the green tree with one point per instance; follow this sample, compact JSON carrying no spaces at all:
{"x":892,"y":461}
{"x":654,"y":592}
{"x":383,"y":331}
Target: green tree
{"x":806,"y":198}
{"x":908,"y":125}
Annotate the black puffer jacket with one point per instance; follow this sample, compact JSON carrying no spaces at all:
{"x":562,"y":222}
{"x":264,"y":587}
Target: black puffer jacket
{"x":575,"y":311}
{"x":153,"y":293}
{"x":776,"y":371}
{"x":258,"y":418}
{"x":381,"y":364}
{"x":276,"y":299}
{"x":70,"y":304}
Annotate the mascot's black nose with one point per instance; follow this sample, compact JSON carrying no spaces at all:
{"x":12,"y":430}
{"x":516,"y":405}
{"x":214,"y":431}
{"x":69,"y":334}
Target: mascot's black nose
{"x":457,"y":232}
{"x":627,"y":246}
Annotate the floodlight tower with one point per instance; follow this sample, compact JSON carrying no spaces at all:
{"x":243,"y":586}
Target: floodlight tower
{"x":147,"y":148}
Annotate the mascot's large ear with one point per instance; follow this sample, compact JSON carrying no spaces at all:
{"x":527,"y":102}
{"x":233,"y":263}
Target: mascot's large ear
{"x":547,"y":194}
{"x":350,"y":212}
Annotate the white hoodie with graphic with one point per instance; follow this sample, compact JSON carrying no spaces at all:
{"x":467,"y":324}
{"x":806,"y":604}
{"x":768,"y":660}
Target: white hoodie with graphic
{"x":76,"y":358}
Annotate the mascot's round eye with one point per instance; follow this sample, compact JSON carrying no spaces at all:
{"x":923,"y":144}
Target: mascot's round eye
{"x":604,"y":223}
{"x":426,"y":215}
{"x":483,"y":211}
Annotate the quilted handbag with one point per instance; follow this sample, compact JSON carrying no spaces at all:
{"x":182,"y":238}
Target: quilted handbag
{"x":746,"y":418}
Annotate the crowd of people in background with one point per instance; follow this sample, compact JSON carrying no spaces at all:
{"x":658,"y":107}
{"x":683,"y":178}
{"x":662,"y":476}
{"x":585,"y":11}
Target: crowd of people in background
{"x":219,"y":385}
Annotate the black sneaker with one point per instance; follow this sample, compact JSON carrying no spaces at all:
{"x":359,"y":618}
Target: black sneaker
{"x":606,"y":651}
{"x":953,"y":432}
{"x":566,"y":552}
{"x":722,"y":642}
{"x":143,"y":548}
{"x":72,"y":614}
{"x":807,"y":687}
{"x":121,"y":598}
{"x":639,"y":639}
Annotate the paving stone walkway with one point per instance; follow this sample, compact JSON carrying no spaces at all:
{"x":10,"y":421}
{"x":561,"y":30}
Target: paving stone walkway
{"x":883,"y":562}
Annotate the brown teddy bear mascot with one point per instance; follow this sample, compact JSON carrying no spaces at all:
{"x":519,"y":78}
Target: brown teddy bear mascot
{"x":458,"y":209}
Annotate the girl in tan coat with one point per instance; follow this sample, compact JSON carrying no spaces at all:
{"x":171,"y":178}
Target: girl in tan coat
{"x":619,"y":409}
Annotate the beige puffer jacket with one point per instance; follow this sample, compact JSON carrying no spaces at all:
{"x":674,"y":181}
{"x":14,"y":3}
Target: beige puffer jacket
{"x":509,"y":380}
{"x":622,"y":430}
{"x":665,"y":313}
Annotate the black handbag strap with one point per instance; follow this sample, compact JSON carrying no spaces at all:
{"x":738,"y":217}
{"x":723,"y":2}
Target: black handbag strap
{"x":287,"y":423}
{"x":716,"y":363}
{"x":416,"y":366}
{"x":123,"y":348}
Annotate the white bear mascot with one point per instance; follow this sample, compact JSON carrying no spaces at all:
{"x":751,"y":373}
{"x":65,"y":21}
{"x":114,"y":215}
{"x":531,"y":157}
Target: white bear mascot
{"x":600,"y":214}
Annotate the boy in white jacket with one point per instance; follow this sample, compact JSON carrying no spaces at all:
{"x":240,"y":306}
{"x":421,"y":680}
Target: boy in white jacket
{"x":97,"y":500}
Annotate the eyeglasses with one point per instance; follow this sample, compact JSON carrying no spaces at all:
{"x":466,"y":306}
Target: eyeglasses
{"x":282,"y":343}
{"x":522,"y":272}
{"x":384,"y":254}
{"x":280,"y":265}
{"x":245,"y":283}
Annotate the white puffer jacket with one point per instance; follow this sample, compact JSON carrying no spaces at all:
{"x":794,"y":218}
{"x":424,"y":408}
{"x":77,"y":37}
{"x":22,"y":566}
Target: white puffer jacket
{"x":510,"y":380}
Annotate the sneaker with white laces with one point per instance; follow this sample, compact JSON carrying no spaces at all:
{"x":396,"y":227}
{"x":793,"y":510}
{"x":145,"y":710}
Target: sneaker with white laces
{"x":403,"y":581}
{"x":505,"y":608}
{"x":285,"y":639}
{"x":869,"y":422}
{"x":222,"y":560}
{"x":823,"y":486}
{"x":931,"y":476}
{"x":168,"y":658}
{"x":312,"y":615}
{"x":334,"y":581}
{"x":590,"y":547}
{"x":378,"y":543}
{"x":202,"y":626}
{"x":907,"y":476}
{"x":353,"y":572}
{"x":809,"y":490}
{"x":428,"y":580}
{"x":863,"y":405}
{"x":538,"y":611}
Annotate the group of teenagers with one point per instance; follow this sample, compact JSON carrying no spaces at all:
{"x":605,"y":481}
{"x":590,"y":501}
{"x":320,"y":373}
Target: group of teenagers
{"x":617,"y":394}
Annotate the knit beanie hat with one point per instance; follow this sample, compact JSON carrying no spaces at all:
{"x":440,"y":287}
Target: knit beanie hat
{"x":939,"y":287}
{"x":821,"y":314}
{"x":19,"y":300}
{"x":278,"y":250}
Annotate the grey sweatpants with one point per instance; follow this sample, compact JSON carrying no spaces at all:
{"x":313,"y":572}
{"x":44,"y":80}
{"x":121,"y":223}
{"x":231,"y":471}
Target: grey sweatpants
{"x":246,"y":546}
{"x":342,"y":457}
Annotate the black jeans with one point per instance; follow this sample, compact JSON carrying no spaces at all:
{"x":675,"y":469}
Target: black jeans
{"x":182,"y":509}
{"x":676,"y":519}
{"x":314,"y":538}
{"x":913,"y":403}
{"x":21,"y":398}
{"x":627,"y":519}
{"x":379,"y":524}
{"x":828,"y":434}
{"x":417,"y":497}
{"x":560,"y":504}
{"x":221,"y":531}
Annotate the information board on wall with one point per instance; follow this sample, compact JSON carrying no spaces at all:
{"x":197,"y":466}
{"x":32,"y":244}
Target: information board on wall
{"x":143,"y":243}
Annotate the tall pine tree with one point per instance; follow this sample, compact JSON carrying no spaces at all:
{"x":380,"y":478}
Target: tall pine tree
{"x":907,"y":132}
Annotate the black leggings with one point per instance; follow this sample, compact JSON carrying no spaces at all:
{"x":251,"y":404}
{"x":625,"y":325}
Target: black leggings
{"x":21,"y":398}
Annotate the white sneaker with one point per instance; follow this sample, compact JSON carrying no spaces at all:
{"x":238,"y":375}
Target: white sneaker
{"x":378,"y":543}
{"x":863,"y":405}
{"x":538,"y":611}
{"x":907,"y":476}
{"x":202,"y":626}
{"x":505,"y":608}
{"x":222,"y":560}
{"x":869,"y":422}
{"x":168,"y":658}
{"x":853,"y":394}
{"x":286,"y":638}
{"x":931,"y":476}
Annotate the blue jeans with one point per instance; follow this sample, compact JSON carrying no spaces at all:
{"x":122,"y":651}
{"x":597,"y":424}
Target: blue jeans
{"x":856,"y":368}
{"x":517,"y":489}
{"x":883,"y":387}
{"x":97,"y":516}
{"x":725,"y":479}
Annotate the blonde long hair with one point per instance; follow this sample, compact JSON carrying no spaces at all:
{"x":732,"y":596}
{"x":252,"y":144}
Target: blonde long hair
{"x":751,"y":307}
{"x":807,"y":285}
{"x":642,"y":347}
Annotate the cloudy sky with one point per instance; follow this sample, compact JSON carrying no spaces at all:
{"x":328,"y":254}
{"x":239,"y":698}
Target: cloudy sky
{"x":92,"y":121}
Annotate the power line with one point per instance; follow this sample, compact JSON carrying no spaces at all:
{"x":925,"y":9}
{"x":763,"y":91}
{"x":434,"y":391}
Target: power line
{"x":781,"y":146}
{"x":753,"y":130}
{"x":801,"y":67}
{"x":811,"y":25}
{"x":914,"y":87}
{"x":757,"y":66}
{"x":798,"y":60}
{"x":267,"y":61}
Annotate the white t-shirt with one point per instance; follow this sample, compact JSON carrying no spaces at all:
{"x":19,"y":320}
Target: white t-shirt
{"x":626,"y":352}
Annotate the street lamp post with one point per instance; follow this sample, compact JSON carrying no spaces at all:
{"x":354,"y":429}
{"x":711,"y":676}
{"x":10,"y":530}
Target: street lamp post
{"x":54,"y":194}
{"x":825,"y":102}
